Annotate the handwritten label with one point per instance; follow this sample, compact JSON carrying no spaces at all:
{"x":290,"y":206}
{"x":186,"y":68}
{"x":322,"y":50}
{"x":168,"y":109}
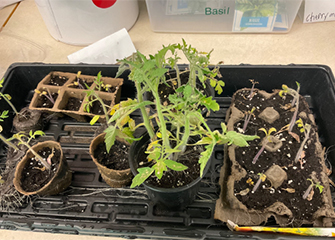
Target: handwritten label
{"x":319,"y":11}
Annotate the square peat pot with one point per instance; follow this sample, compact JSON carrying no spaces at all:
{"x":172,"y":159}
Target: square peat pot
{"x":90,"y":207}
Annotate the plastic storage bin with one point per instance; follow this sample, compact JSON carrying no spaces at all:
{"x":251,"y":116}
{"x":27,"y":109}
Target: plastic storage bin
{"x":222,"y":15}
{"x":86,"y":21}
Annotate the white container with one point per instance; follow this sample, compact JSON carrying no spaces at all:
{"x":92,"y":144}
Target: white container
{"x":218,"y":16}
{"x":82,"y":22}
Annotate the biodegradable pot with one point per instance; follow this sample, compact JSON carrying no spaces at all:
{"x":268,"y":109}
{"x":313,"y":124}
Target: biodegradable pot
{"x":281,"y":194}
{"x":28,"y":120}
{"x":170,"y":198}
{"x":114,"y":178}
{"x":60,"y":181}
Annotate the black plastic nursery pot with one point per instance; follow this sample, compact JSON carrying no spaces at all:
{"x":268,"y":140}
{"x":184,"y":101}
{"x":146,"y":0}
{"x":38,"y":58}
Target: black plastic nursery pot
{"x":89,"y":206}
{"x":168,"y":198}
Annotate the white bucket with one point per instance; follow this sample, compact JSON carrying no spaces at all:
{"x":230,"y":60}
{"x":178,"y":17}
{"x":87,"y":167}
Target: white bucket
{"x":82,"y":22}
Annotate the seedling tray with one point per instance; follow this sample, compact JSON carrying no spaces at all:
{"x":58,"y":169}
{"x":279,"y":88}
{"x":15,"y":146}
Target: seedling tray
{"x":89,"y":206}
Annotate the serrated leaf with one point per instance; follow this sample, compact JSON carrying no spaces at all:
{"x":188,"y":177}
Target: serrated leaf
{"x":205,"y":140}
{"x":154,"y":156}
{"x":160,"y":168}
{"x":94,"y":119}
{"x":218,"y":89}
{"x":110,"y":137}
{"x":143,"y":174}
{"x":175,"y":165}
{"x":205,"y":155}
{"x":188,"y":90}
{"x":209,"y":103}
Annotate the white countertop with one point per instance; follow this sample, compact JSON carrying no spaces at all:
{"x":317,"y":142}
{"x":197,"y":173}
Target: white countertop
{"x":25,"y":38}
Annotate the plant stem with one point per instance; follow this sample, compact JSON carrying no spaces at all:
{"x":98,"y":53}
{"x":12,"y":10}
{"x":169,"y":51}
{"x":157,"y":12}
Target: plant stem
{"x":103,"y":107}
{"x":309,"y":189}
{"x":258,"y":154}
{"x":8,"y":143}
{"x":44,"y":163}
{"x":182,"y":145}
{"x":257,"y":184}
{"x":295,"y":114}
{"x":9,"y":102}
{"x":307,"y":132}
{"x":144,"y":113}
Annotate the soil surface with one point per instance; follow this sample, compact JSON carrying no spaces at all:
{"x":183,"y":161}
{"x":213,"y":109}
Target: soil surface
{"x":82,"y":83}
{"x":73,"y":104}
{"x":57,"y":80}
{"x":97,"y":108}
{"x":44,"y":102}
{"x":33,"y":176}
{"x":297,"y":173}
{"x":116,"y":159}
{"x":171,"y":178}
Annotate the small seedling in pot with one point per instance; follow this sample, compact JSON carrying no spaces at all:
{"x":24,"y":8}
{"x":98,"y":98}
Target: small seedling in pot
{"x":252,"y":93}
{"x":261,"y":179}
{"x":92,"y":96}
{"x":267,"y":140}
{"x":309,"y":192}
{"x":247,"y":118}
{"x":100,"y":85}
{"x":306,"y":129}
{"x":295,"y":102}
{"x":47,"y":94}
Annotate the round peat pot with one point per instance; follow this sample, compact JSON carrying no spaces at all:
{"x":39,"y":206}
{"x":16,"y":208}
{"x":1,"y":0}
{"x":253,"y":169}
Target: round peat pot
{"x":27,"y":120}
{"x":114,"y":178}
{"x":59,"y":182}
{"x":171,"y":198}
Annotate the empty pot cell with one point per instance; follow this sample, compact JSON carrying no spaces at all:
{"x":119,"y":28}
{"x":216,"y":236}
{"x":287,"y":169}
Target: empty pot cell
{"x":71,"y":100}
{"x":45,"y":97}
{"x":81,"y":82}
{"x":94,"y":106}
{"x":57,"y":78}
{"x":110,"y":85}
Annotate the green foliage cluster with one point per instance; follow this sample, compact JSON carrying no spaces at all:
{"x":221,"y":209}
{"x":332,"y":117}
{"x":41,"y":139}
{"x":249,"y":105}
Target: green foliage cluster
{"x":257,"y":8}
{"x":178,"y":121}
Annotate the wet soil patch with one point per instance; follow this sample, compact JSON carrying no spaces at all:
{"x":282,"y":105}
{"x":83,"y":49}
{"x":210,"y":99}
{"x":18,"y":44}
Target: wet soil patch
{"x":57,"y":80}
{"x":33,"y":176}
{"x":116,"y":159}
{"x":73,"y":104}
{"x":45,"y":102}
{"x":96,"y":107}
{"x":81,"y":83}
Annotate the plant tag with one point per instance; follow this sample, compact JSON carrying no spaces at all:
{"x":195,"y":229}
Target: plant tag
{"x":318,"y":11}
{"x":254,"y":16}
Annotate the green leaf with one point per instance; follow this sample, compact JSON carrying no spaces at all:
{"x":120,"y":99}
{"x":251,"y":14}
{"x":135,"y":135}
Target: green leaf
{"x":39,"y":133}
{"x":205,"y":155}
{"x":94,"y":119}
{"x":218,"y":89}
{"x":8,"y":96}
{"x":154,"y":155}
{"x":188,"y":90}
{"x":175,"y":165}
{"x":209,"y":103}
{"x":110,"y":137}
{"x":239,"y":139}
{"x":4,"y":114}
{"x":160,"y":168}
{"x":143,"y":174}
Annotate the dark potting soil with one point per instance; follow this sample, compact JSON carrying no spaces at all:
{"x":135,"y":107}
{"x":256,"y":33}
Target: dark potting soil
{"x":297,"y":173}
{"x":44,"y":102}
{"x":73,"y":104}
{"x":82,"y":83}
{"x":57,"y":80}
{"x":171,"y":178}
{"x":96,"y":107}
{"x":116,"y":159}
{"x":33,"y":175}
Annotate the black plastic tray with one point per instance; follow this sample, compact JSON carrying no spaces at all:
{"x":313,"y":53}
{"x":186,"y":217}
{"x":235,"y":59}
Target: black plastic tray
{"x":90,"y":207}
